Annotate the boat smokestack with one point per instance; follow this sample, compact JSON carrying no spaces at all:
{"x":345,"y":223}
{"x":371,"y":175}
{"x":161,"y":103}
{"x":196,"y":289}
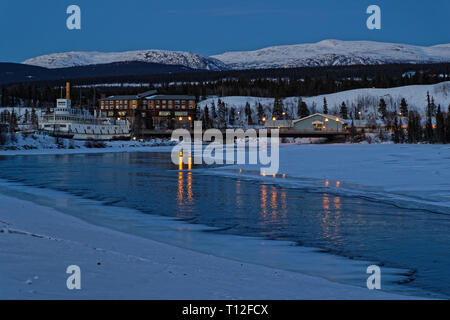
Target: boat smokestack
{"x":68,"y":90}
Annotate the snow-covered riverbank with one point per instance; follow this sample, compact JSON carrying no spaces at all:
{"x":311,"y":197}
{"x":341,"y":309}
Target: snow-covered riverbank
{"x":37,"y":144}
{"x":38,"y":244}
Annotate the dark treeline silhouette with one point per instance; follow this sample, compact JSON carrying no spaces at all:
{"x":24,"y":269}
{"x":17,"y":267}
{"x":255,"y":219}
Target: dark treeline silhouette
{"x":307,"y":81}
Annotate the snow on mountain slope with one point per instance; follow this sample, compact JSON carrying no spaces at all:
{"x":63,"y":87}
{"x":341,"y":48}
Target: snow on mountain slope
{"x":368,"y":99}
{"x":335,"y":52}
{"x":72,"y":59}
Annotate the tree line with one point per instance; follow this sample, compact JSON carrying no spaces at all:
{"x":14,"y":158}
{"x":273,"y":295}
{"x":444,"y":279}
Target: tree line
{"x":258,"y":83}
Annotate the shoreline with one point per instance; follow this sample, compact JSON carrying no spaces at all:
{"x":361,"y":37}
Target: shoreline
{"x":112,"y":149}
{"x":40,"y":242}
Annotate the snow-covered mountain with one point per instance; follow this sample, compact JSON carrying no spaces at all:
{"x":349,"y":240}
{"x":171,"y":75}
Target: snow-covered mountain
{"x":324,"y":53}
{"x":335,"y":52}
{"x":73,"y":59}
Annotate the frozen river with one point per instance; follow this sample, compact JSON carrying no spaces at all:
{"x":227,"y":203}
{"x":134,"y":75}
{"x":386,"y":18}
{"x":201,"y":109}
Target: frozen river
{"x":412,"y":246}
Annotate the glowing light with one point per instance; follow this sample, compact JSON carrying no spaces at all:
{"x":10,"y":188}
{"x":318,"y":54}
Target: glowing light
{"x":337,"y":119}
{"x":274,"y":119}
{"x":180,"y":163}
{"x":326,"y":119}
{"x":180,"y":118}
{"x":263,"y":119}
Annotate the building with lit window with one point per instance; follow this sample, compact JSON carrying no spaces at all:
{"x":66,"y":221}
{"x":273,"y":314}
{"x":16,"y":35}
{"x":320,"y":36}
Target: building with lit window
{"x":156,"y":111}
{"x":170,"y":111}
{"x":122,"y":107}
{"x":319,"y":122}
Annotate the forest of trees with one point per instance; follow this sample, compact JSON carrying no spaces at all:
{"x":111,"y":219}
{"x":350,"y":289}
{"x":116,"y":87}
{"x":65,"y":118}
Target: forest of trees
{"x":258,"y":83}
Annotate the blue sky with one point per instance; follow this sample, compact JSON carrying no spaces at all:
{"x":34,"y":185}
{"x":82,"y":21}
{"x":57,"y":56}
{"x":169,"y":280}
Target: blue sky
{"x":31,"y":28}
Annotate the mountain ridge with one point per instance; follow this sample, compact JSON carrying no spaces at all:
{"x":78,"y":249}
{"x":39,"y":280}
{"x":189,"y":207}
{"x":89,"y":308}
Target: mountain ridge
{"x":333,"y":52}
{"x":329,"y":52}
{"x":85,"y":58}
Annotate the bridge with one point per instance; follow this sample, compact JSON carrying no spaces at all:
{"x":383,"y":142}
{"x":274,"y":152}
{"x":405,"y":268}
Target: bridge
{"x":330,"y":135}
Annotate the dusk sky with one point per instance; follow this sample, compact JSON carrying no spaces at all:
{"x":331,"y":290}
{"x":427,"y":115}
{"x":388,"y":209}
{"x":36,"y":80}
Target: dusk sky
{"x":32,"y":28}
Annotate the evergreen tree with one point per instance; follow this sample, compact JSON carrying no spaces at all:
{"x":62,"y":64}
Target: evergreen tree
{"x":325,"y":106}
{"x":402,"y":132}
{"x":440,"y":126}
{"x":213,"y":115}
{"x":353,"y":132}
{"x":277,"y":112}
{"x":404,"y":107}
{"x":26,"y":117}
{"x":248,"y":114}
{"x":344,"y":111}
{"x":232,"y":116}
{"x":261,"y":114}
{"x":222,"y":114}
{"x":382,"y":109}
{"x":413,"y":130}
{"x":206,"y":119}
{"x":431,"y":106}
{"x":34,"y":119}
{"x":418,"y":125}
{"x":429,"y":123}
{"x":302,"y":109}
{"x":396,"y":129}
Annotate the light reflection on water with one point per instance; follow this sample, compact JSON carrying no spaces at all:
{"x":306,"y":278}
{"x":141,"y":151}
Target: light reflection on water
{"x":347,"y":226}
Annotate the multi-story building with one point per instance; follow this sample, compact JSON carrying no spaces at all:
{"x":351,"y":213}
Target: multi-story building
{"x":170,"y":111}
{"x":122,"y":107}
{"x":157,"y":111}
